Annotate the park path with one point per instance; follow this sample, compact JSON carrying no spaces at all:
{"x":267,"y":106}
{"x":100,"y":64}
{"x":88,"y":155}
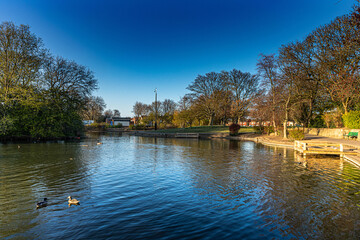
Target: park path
{"x":277,"y":140}
{"x":349,"y":142}
{"x":352,"y":143}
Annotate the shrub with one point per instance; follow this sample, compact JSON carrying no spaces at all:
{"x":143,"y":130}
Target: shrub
{"x":234,"y":129}
{"x":352,"y":119}
{"x":268,"y":130}
{"x":296,"y":135}
{"x":140,"y":127}
{"x":258,"y":129}
{"x":317,"y":122}
{"x":333,"y":119}
{"x":98,"y":126}
{"x":115,"y":126}
{"x":6,"y":126}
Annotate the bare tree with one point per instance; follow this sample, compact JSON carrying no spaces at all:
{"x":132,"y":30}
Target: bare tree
{"x":222,"y":104}
{"x":94,"y":108}
{"x":67,"y":79}
{"x":108,"y":113}
{"x":117,"y":113}
{"x":204,"y":91}
{"x":268,"y":70}
{"x":140,"y":109}
{"x":244,"y":87}
{"x":260,"y":106}
{"x":168,"y":106}
{"x":338,"y":57}
{"x":206,"y":84}
{"x":185,"y":102}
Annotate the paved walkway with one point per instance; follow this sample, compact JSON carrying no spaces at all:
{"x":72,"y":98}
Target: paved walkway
{"x":349,"y":142}
{"x":308,"y":137}
{"x":352,"y":143}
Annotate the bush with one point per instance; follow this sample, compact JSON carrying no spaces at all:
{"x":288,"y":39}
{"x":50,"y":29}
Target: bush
{"x":234,"y":129}
{"x":258,"y":129}
{"x":140,"y":127}
{"x":333,"y":119}
{"x":296,"y":135}
{"x":115,"y":126}
{"x":137,"y":127}
{"x":6,"y":126}
{"x":352,"y":119}
{"x":317,"y":122}
{"x":98,"y":126}
{"x":268,"y":130}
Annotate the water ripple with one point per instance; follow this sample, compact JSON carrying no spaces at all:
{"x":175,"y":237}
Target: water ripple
{"x":145,"y":188}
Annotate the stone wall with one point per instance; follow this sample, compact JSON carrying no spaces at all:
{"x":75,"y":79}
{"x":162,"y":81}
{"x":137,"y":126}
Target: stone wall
{"x":330,"y":132}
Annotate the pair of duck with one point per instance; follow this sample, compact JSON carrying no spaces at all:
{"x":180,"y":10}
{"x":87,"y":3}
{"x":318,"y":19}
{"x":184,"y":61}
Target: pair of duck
{"x":72,"y":201}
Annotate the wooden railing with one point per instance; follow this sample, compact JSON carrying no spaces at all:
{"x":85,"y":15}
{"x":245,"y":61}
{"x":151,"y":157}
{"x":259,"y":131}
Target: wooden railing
{"x":321,"y":148}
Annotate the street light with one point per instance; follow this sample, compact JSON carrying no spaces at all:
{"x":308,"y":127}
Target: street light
{"x":155,"y":108}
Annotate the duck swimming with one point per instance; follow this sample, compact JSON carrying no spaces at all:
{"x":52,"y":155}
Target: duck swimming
{"x":73,"y":201}
{"x":42,"y":204}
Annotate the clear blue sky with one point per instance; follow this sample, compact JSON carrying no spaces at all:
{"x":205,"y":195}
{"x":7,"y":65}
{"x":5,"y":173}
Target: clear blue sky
{"x":135,"y":46}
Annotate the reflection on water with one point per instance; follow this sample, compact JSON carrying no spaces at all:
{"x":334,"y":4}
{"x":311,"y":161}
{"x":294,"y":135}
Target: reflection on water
{"x":148,"y":188}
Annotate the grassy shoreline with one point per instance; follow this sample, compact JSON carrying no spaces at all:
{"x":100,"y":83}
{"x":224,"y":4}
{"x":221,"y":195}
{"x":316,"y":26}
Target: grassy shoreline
{"x":30,"y":139}
{"x":204,"y":129}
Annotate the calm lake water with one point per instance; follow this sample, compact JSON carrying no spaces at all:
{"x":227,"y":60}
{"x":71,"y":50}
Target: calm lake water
{"x":146,"y":188}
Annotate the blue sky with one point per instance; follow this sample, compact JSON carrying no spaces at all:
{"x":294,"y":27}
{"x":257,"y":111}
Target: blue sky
{"x":135,"y":46}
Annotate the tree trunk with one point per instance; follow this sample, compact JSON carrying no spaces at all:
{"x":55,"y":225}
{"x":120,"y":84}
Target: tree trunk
{"x":345,"y":107}
{"x":285,"y":123}
{"x":224,"y":121}
{"x":273,"y":120}
{"x":310,"y":114}
{"x":286,"y":116}
{"x":211,"y":120}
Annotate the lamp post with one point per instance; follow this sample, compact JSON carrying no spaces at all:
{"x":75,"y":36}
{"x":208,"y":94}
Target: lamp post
{"x":155,"y":109}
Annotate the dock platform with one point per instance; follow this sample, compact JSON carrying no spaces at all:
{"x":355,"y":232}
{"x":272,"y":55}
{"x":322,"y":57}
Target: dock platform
{"x":311,"y":147}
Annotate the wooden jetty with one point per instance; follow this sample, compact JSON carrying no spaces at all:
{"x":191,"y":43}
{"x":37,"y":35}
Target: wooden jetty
{"x":187,"y":135}
{"x":311,"y":147}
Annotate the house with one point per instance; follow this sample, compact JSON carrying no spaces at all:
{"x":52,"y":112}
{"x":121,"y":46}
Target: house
{"x":124,"y":121}
{"x":290,"y":123}
{"x":134,"y":120}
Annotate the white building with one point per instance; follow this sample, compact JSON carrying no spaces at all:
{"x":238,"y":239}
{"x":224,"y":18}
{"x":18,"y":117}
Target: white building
{"x":124,"y":121}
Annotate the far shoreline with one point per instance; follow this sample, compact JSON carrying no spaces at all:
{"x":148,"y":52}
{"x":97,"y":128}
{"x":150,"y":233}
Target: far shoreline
{"x":242,"y":136}
{"x":254,"y":137}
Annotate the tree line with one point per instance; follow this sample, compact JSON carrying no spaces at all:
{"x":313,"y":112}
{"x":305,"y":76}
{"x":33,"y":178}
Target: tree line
{"x":41,"y":95}
{"x":163,"y":110}
{"x":215,"y":98}
{"x":314,"y":82}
